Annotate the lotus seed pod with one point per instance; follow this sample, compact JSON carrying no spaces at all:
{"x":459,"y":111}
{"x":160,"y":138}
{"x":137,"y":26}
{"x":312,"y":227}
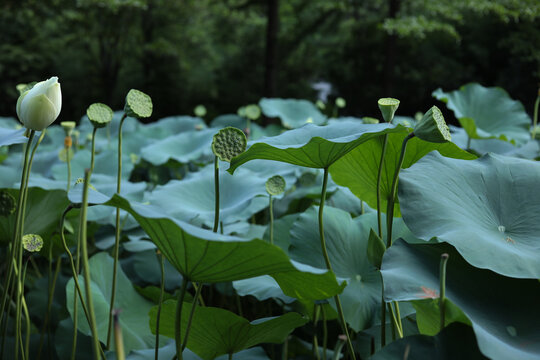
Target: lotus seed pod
{"x":340,"y":102}
{"x":320,"y":104}
{"x":252,"y":112}
{"x":200,"y":111}
{"x":7,"y":203}
{"x":138,"y":104}
{"x":32,"y":242}
{"x":99,"y":115}
{"x":432,"y":127}
{"x":228,"y":143}
{"x":241,"y":111}
{"x":68,"y":127}
{"x":388,"y":107}
{"x":275,"y":185}
{"x":370,"y":120}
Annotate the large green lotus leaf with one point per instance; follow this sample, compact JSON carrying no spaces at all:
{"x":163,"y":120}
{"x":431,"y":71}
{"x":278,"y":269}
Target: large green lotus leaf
{"x":292,"y":113}
{"x":12,"y":136}
{"x":217,"y":331}
{"x":455,"y":342}
{"x":503,"y":311}
{"x":346,"y":242}
{"x":486,"y":208}
{"x":170,"y":126}
{"x":192,"y":199}
{"x":313,"y":146}
{"x":43,"y":211}
{"x":262,"y":288}
{"x":358,"y":169}
{"x":205,"y":256}
{"x":11,"y":176}
{"x":184,"y":147}
{"x":134,"y":316}
{"x":106,"y":163}
{"x":256,"y":131}
{"x":487,"y":112}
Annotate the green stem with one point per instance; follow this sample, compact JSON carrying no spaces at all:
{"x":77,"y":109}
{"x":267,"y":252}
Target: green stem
{"x":230,"y":356}
{"x":117,"y":232}
{"x":383,"y":318}
{"x":271,"y":220}
{"x":191,"y":314}
{"x":329,"y":266}
{"x":93,"y":153}
{"x":68,"y":162}
{"x":468,"y":142}
{"x":398,"y":316}
{"x":315,"y":344}
{"x":395,"y":322}
{"x":26,"y":353}
{"x":325,"y":332}
{"x":535,"y":115}
{"x":86,"y":266}
{"x":216,"y":193}
{"x":178,"y":319}
{"x":442,"y":279}
{"x":393,"y":192}
{"x":161,"y":292}
{"x":379,"y":177}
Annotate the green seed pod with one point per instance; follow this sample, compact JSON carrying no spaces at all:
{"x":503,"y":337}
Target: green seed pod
{"x":388,"y":107}
{"x":138,"y":104}
{"x":68,"y":127}
{"x":432,"y":127}
{"x":252,"y":112}
{"x":32,"y":242}
{"x":200,"y":110}
{"x":370,"y":120}
{"x":275,"y":185}
{"x":228,"y":143}
{"x":340,"y":102}
{"x":99,"y":115}
{"x":7,"y":203}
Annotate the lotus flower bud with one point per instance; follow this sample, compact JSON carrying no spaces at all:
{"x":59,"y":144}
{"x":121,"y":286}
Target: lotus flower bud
{"x":39,"y":107}
{"x":432,"y":127}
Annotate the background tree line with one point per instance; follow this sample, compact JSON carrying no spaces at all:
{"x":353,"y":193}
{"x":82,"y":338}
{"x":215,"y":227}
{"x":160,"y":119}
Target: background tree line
{"x":225,"y":54}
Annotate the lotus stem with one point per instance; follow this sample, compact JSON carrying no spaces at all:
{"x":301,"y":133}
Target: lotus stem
{"x":118,"y":338}
{"x":117,"y":232}
{"x":178,"y":319}
{"x":315,"y":345}
{"x":329,"y":266}
{"x":216,"y":193}
{"x":161,"y":292}
{"x":535,"y":115}
{"x":271,"y":219}
{"x":379,"y":176}
{"x":191,"y":314}
{"x":442,"y":279}
{"x":325,"y":332}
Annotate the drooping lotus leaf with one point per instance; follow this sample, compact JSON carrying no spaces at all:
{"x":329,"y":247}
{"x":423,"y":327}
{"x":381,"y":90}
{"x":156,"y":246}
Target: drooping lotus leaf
{"x":455,"y":342}
{"x":208,"y":257}
{"x":12,"y":136}
{"x":313,"y":146}
{"x":216,"y":331}
{"x":134,"y":316}
{"x":261,"y":287}
{"x":292,"y":113}
{"x":184,"y":147}
{"x":503,"y":311}
{"x":487,"y":112}
{"x":346,"y":242}
{"x":486,"y":208}
{"x":192,"y":199}
{"x":358,"y":169}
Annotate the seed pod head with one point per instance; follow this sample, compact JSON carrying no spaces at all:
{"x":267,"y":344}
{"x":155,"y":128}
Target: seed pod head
{"x":388,"y":107}
{"x":228,"y":143}
{"x":200,"y":111}
{"x":7,"y":203}
{"x":340,"y":102}
{"x":432,"y":127}
{"x":138,"y":104}
{"x":99,"y":115}
{"x":252,"y":112}
{"x":32,"y":242}
{"x":275,"y":185}
{"x":68,"y":127}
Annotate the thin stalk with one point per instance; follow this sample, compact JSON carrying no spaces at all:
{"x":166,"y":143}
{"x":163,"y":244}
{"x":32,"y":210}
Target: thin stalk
{"x":325,"y":332}
{"x":383,"y":319}
{"x":178,"y":319}
{"x":329,"y":266}
{"x":26,"y":353}
{"x":315,"y":344}
{"x":117,"y":232}
{"x":398,"y":316}
{"x":52,"y":287}
{"x":161,"y":292}
{"x":285,"y":350}
{"x":230,"y":356}
{"x":379,"y":177}
{"x":271,"y":220}
{"x":191,"y":314}
{"x":216,"y":193}
{"x":393,"y":192}
{"x":468,"y":142}
{"x":442,"y":280}
{"x":93,"y":153}
{"x":86,"y":267}
{"x":118,"y":338}
{"x":196,"y":286}
{"x":535,"y":115}
{"x":395,"y":322}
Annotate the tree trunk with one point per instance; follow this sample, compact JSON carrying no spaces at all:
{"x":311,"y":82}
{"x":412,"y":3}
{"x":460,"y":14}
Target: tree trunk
{"x":272,"y":29}
{"x":390,"y":51}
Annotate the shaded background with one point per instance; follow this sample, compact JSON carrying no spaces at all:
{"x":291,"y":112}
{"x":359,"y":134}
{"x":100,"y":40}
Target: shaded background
{"x":225,"y":54}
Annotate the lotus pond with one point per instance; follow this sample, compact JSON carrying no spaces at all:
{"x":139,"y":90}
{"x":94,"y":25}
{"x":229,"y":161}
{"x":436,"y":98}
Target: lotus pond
{"x":323,"y":237}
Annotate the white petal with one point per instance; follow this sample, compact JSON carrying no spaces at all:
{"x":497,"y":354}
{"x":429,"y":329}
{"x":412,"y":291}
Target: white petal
{"x":38,"y":113}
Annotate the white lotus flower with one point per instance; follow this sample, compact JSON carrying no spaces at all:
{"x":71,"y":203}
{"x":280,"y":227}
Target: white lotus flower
{"x":39,"y":107}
